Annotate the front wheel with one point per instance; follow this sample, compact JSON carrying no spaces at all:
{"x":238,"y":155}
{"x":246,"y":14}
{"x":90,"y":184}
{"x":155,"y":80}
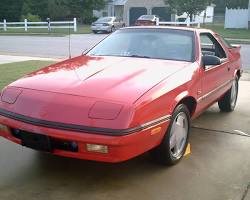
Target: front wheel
{"x":228,"y":102}
{"x":175,"y":141}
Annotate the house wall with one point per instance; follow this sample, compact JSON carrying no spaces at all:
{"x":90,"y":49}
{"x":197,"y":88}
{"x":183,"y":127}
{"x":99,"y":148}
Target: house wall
{"x":249,"y":15}
{"x":119,"y":10}
{"x":148,"y":4}
{"x":209,"y":15}
{"x":107,"y":11}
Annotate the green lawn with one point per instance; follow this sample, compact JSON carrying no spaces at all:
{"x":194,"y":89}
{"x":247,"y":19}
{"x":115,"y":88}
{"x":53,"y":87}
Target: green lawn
{"x":81,"y":29}
{"x":13,"y":71}
{"x":229,"y":33}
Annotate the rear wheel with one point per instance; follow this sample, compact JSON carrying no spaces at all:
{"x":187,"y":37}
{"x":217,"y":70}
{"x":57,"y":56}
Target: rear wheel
{"x":175,"y":141}
{"x":112,"y":29}
{"x":228,"y":102}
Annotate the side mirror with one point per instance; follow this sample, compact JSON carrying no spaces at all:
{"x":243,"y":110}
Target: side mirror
{"x":211,"y":60}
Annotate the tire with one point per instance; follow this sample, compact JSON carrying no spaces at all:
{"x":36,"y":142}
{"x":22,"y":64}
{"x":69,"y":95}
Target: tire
{"x":112,"y":29}
{"x":228,"y":102}
{"x":95,"y":32}
{"x":166,"y":153}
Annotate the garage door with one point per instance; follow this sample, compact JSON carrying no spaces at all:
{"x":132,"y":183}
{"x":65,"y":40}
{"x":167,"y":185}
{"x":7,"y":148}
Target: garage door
{"x":163,"y":12}
{"x":135,"y":13}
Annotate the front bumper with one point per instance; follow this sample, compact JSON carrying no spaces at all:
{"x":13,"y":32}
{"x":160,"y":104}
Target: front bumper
{"x":120,"y":148}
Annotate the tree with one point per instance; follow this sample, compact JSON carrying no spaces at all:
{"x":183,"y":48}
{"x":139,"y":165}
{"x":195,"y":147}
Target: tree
{"x":237,"y":4}
{"x":36,"y":7}
{"x":58,"y":9}
{"x":10,"y":9}
{"x":13,"y":10}
{"x":191,"y":7}
{"x":222,"y":4}
{"x":84,"y":8}
{"x":67,"y":9}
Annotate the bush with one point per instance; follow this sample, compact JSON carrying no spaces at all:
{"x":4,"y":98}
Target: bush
{"x":87,"y":17}
{"x":89,"y":20}
{"x":31,"y":18}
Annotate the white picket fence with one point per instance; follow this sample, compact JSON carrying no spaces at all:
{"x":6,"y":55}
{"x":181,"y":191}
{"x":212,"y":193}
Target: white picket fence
{"x":236,"y":18}
{"x":179,"y":23}
{"x":39,"y":25}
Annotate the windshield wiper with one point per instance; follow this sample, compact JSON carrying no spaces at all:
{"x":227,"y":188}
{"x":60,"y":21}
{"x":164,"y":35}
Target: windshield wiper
{"x":139,"y":56}
{"x":134,"y":56}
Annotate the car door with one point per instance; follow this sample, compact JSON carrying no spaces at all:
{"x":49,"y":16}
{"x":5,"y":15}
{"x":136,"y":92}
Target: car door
{"x":215,"y":79}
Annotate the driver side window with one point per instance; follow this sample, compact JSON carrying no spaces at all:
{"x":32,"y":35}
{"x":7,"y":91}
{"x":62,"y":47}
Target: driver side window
{"x":210,"y":46}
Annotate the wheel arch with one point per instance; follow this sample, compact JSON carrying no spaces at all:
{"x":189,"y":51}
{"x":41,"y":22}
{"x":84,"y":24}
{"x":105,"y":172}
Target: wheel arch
{"x":238,"y":73}
{"x":188,"y":100}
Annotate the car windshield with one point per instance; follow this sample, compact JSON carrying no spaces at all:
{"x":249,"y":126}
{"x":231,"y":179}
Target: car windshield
{"x":168,"y":44}
{"x":146,"y":17}
{"x":104,"y":19}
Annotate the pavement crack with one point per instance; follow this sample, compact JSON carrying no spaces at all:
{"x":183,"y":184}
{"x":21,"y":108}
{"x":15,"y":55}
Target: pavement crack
{"x":221,"y":131}
{"x":245,"y":192}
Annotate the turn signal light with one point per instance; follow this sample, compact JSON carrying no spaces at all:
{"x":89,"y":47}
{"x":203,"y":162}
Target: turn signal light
{"x":97,"y":148}
{"x":4,"y":128}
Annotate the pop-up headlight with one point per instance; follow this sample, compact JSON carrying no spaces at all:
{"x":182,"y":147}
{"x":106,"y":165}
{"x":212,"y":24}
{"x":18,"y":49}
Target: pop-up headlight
{"x":105,"y":110}
{"x":10,"y":95}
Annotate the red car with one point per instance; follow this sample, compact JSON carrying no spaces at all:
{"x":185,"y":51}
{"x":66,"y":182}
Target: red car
{"x":134,"y":92}
{"x":147,"y":20}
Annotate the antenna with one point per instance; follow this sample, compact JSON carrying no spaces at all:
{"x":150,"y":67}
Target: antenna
{"x":69,"y":41}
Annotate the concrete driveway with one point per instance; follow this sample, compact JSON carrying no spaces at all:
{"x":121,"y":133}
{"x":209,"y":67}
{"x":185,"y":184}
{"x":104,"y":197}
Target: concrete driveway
{"x":43,"y":46}
{"x":57,"y":47}
{"x":218,"y":167}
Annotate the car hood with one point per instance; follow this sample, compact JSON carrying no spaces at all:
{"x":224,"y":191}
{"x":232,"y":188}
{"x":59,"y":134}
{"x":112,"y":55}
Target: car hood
{"x":118,"y":79}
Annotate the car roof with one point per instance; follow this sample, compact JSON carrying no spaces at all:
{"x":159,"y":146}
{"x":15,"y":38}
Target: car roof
{"x":106,"y":17}
{"x":147,"y":16}
{"x":198,"y":30}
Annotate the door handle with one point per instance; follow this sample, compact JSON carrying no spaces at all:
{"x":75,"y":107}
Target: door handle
{"x":228,"y":68}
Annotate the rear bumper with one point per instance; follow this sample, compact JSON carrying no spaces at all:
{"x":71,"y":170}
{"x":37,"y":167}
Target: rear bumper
{"x":102,"y":28}
{"x":120,"y":148}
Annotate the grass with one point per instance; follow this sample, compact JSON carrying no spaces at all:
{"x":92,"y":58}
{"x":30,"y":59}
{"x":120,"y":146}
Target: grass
{"x":13,"y":71}
{"x":229,"y":33}
{"x":81,"y":29}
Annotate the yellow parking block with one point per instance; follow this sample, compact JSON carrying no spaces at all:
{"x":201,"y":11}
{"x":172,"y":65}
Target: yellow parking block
{"x":188,"y":150}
